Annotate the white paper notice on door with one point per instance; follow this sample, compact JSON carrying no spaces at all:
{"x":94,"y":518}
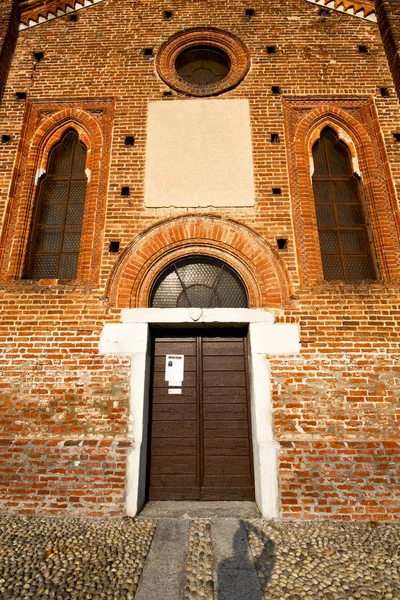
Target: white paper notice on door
{"x":174,"y":364}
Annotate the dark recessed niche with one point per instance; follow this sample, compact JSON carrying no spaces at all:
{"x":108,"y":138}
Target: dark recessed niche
{"x":363,"y":49}
{"x":167,"y":94}
{"x":276,"y":191}
{"x":276,"y":90}
{"x":148,"y":52}
{"x":249,"y":12}
{"x":271,"y":49}
{"x":168,"y":14}
{"x":5,"y":139}
{"x":384,"y":92}
{"x":281,"y":243}
{"x":275,"y":138}
{"x":125,"y":191}
{"x":114,"y":247}
{"x":396,"y":137}
{"x":20,"y":95}
{"x":38,"y":56}
{"x":324,"y":12}
{"x":73,"y":18}
{"x":129,"y":140}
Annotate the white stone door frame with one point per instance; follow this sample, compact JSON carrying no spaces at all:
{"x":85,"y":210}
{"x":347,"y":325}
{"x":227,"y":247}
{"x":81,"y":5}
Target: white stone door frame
{"x":132,"y":337}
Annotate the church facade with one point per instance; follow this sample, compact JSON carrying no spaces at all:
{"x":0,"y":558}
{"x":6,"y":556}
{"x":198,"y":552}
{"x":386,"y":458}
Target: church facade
{"x":200,"y":256}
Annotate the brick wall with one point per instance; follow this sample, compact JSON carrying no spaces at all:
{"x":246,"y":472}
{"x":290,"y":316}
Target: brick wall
{"x":8,"y":37}
{"x":337,"y":399}
{"x":56,"y":476}
{"x":342,"y":480}
{"x":336,"y":405}
{"x":388,"y":15}
{"x":63,"y":406}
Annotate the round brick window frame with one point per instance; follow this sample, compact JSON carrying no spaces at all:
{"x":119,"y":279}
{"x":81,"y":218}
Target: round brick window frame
{"x":234,"y":48}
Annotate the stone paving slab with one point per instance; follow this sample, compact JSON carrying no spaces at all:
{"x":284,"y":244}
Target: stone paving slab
{"x":164,"y":574}
{"x":200,"y":510}
{"x":235,"y":575}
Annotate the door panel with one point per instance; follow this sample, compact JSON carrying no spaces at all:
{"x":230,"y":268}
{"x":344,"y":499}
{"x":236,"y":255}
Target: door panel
{"x":172,"y":447}
{"x":224,"y":379}
{"x":210,"y":395}
{"x":231,"y":412}
{"x":200,"y":445}
{"x":214,"y":348}
{"x":166,"y":429}
{"x":174,"y":464}
{"x":225,"y":363}
{"x":189,"y":396}
{"x":176,"y":412}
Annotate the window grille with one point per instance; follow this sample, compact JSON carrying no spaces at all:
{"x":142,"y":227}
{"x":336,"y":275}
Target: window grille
{"x":202,"y":66}
{"x":343,"y":234}
{"x":57,"y":222}
{"x":198,"y":281}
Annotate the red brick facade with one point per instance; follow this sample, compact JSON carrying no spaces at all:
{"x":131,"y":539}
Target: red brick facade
{"x":64,"y":407}
{"x":8,"y":37}
{"x":388,"y":13}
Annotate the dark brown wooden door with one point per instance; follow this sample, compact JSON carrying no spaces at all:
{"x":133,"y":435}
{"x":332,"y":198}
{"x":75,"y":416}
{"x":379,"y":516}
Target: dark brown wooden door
{"x":199,"y":445}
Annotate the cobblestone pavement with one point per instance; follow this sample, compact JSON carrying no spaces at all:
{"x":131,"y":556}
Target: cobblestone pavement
{"x":199,"y":562}
{"x":50,"y":558}
{"x":326,"y":560}
{"x":94,"y":559}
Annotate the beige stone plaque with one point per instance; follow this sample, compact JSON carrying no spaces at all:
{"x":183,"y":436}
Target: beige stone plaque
{"x":199,"y":154}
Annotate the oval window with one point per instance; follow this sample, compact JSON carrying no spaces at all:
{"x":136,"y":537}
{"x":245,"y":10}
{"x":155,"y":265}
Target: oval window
{"x":198,"y":281}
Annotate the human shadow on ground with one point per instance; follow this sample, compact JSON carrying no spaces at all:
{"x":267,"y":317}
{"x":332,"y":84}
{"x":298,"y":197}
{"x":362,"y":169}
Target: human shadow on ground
{"x":236,"y":577}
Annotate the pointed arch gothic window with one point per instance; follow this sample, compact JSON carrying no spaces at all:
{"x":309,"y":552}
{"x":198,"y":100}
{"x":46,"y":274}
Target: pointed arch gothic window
{"x":344,"y":238}
{"x":58,"y":214}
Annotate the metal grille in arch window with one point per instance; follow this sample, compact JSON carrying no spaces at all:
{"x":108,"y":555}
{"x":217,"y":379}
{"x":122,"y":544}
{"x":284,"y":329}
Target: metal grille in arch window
{"x":57,"y":224}
{"x":344,"y":235}
{"x":201,"y":282}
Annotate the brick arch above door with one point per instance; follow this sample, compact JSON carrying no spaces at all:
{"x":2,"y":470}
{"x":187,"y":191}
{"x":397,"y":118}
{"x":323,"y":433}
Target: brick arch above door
{"x":259,"y":266}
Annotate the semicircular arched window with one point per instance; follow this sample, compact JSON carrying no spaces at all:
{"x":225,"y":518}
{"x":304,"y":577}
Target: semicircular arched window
{"x":198,"y":281}
{"x":344,"y":237}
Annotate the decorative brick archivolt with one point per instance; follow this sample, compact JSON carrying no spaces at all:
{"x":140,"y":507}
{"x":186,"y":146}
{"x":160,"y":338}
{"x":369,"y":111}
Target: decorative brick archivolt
{"x":236,"y":51}
{"x":254,"y":260}
{"x":355,"y":122}
{"x":363,"y":10}
{"x":36,"y":12}
{"x":44,"y":126}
